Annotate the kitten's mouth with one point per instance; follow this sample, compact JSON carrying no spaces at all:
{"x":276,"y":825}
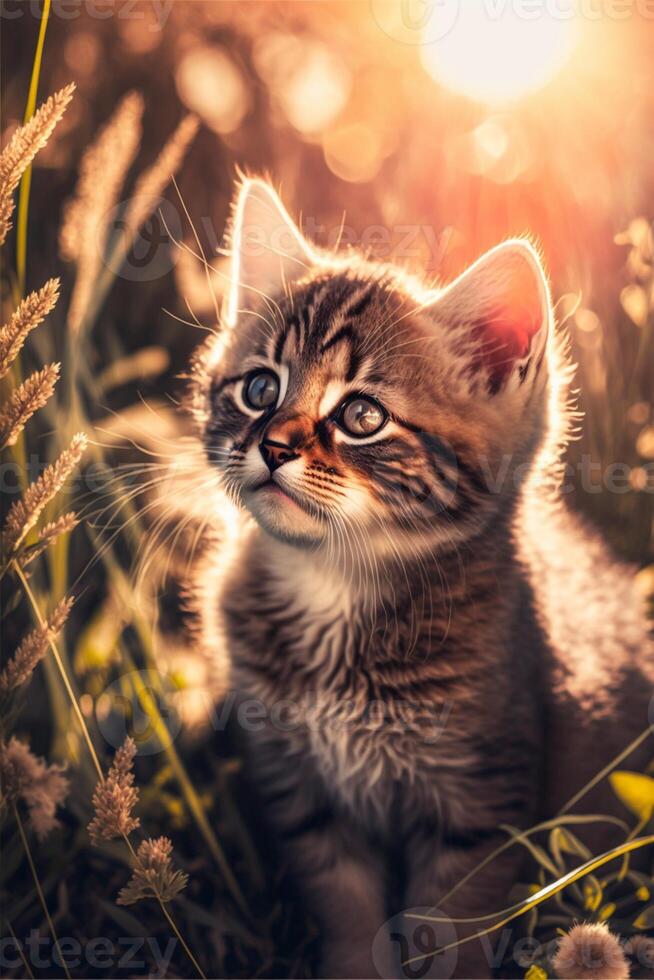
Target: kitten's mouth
{"x":274,"y":489}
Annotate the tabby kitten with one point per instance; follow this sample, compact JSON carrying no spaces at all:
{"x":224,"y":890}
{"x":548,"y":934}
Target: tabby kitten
{"x":433,"y":646}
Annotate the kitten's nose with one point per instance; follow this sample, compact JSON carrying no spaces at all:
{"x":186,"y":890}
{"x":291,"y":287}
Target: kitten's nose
{"x":275,"y":454}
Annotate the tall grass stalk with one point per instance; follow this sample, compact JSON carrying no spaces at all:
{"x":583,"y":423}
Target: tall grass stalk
{"x":607,"y":769}
{"x":26,"y":180}
{"x":194,"y":803}
{"x":37,"y":883}
{"x":96,"y":762}
{"x":62,"y":670}
{"x":561,"y":819}
{"x":521,"y":837}
{"x":149,"y":706}
{"x":522,"y":908}
{"x":19,"y":947}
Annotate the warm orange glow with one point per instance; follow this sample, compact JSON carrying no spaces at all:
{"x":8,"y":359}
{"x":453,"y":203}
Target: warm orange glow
{"x":498,"y":56}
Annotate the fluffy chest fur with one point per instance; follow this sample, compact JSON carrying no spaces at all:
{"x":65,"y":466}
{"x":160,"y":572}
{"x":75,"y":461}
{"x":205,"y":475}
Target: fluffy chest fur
{"x":387,"y":696}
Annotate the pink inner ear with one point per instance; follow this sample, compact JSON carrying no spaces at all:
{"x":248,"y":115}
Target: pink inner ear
{"x":505,"y":334}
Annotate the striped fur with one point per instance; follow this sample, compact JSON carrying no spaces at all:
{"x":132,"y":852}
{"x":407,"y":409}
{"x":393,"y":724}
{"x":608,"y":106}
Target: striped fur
{"x":393,"y":603}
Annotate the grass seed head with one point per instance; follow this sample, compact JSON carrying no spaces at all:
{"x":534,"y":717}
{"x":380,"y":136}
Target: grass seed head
{"x":41,"y":787}
{"x":27,"y":399}
{"x":115,"y":798}
{"x":154,"y":875}
{"x":24,"y":513}
{"x":23,"y":147}
{"x":31,"y":311}
{"x":32,"y":649}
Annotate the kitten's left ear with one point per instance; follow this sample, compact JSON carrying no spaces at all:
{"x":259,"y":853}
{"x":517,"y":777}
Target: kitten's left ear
{"x":268,"y":250}
{"x":499,"y":313}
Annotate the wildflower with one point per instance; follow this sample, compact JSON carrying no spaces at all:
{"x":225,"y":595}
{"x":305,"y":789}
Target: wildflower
{"x":84,"y":231}
{"x":24,"y":513}
{"x":29,"y":314}
{"x":589,"y":951}
{"x":41,"y":787}
{"x":23,"y":147}
{"x":24,"y":401}
{"x":115,"y":797}
{"x":32,"y":649}
{"x":153,"y":875}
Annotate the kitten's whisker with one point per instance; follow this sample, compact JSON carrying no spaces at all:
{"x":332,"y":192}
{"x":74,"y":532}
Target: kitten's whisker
{"x":195,"y":323}
{"x":201,"y":250}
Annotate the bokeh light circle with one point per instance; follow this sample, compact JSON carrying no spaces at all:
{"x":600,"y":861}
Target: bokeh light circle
{"x":498,"y":55}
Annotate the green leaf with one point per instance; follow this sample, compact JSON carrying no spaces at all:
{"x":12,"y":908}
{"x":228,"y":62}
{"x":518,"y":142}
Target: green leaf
{"x":636,"y":791}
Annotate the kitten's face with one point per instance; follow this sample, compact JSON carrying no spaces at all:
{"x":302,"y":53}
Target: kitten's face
{"x":342,"y":410}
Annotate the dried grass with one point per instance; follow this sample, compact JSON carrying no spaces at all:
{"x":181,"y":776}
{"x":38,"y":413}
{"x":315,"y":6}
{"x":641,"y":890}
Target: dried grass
{"x":150,"y":185}
{"x":31,"y":311}
{"x":31,"y":395}
{"x":32,"y":649}
{"x":23,"y":147}
{"x":83,"y":236}
{"x":24,"y":513}
{"x":115,"y":797}
{"x":41,"y":787}
{"x":153,"y":875}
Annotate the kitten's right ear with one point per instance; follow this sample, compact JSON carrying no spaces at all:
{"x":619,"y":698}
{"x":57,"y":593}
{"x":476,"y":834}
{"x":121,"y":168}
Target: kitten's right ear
{"x":268,"y":250}
{"x":499,"y":314}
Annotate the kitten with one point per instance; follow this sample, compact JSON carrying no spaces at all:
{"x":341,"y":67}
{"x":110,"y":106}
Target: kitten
{"x":428,"y":645}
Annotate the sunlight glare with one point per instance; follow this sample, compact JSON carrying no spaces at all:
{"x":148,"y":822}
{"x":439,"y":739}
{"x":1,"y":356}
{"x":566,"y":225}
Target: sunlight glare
{"x":498,"y":57}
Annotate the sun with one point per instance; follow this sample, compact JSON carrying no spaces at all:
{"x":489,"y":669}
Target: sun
{"x":496,"y":53}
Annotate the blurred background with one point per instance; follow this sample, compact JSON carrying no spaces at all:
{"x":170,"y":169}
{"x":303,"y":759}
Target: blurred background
{"x":430,"y":130}
{"x":422,"y":133}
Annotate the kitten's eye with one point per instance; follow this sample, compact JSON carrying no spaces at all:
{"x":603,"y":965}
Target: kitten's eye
{"x":361,"y":416}
{"x":261,"y":390}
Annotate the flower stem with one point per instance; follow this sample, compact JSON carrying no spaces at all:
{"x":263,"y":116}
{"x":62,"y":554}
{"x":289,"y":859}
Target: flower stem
{"x":26,"y":180}
{"x":173,"y":926}
{"x":73,"y":700}
{"x":169,"y":918}
{"x":20,"y":950}
{"x":62,"y":670}
{"x":28,"y":853}
{"x":607,"y":769}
